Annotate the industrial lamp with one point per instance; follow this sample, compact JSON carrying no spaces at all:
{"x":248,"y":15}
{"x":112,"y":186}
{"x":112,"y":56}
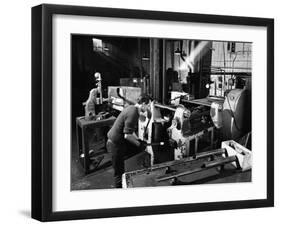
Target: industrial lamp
{"x":178,"y":52}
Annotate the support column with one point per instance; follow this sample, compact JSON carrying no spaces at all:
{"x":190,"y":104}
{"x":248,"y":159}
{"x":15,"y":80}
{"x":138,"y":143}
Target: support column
{"x":154,"y":68}
{"x":164,"y":84}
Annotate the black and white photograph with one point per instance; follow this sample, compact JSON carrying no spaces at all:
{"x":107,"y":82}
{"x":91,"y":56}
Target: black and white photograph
{"x":148,"y":112}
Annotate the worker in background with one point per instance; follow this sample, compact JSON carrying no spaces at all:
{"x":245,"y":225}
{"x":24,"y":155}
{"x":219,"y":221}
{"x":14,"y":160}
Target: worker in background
{"x":123,"y":133}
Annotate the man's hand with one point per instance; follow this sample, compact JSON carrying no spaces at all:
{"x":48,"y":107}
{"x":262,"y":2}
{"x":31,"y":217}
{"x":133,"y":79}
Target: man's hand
{"x":132,"y":138}
{"x":142,"y":145}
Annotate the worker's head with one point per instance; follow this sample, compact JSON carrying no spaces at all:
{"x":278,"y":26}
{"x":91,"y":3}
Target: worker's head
{"x":143,"y":104}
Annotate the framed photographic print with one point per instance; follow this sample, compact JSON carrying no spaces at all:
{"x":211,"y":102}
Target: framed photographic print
{"x":146,"y":112}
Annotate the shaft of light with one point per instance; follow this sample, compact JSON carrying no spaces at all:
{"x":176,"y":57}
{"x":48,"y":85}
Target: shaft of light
{"x":200,"y":49}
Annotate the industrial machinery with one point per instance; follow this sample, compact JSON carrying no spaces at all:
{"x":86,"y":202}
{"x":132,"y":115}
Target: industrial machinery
{"x":192,"y":140}
{"x":177,"y":96}
{"x":91,"y":130}
{"x":184,"y":131}
{"x":95,"y":97}
{"x":91,"y":142}
{"x":187,"y":131}
{"x":236,"y":114}
{"x":153,"y":129}
{"x":188,"y":127}
{"x":120,"y":96}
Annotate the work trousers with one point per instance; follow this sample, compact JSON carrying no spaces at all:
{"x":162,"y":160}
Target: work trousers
{"x":120,"y":152}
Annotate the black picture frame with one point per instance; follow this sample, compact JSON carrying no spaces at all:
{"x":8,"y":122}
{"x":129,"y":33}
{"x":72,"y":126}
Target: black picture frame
{"x":42,"y":111}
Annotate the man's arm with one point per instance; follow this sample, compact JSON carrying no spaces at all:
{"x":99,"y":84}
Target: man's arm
{"x":130,"y":125}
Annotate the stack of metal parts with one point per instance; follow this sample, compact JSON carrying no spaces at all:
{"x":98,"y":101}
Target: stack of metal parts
{"x":232,"y":157}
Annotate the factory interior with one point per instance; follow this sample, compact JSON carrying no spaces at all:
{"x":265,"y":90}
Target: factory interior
{"x":199,"y":127}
